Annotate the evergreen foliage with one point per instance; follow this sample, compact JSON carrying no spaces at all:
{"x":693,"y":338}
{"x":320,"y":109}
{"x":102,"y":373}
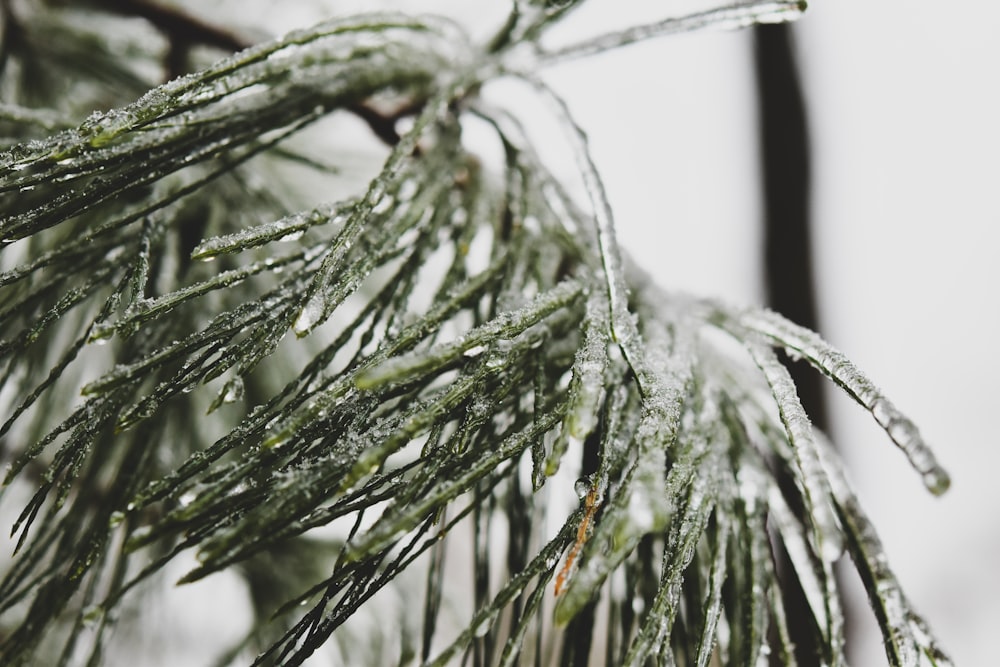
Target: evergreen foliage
{"x":469,"y":347}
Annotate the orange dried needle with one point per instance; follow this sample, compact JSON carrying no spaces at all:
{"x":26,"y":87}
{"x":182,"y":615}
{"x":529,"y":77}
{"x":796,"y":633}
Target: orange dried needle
{"x":590,"y":506}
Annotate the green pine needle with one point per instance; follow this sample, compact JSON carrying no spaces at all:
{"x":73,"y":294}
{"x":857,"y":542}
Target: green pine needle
{"x":483,"y":407}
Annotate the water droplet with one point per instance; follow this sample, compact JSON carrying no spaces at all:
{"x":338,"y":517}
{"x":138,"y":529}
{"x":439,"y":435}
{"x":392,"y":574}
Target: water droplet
{"x":234,"y":390}
{"x":310,"y":316}
{"x":831,"y":545}
{"x":582,"y":487}
{"x":407,"y":190}
{"x":383,"y":205}
{"x":883,"y":411}
{"x":484,"y":625}
{"x":937,"y":481}
{"x":903,"y":432}
{"x":92,"y":614}
{"x":480,"y":408}
{"x":116,"y":519}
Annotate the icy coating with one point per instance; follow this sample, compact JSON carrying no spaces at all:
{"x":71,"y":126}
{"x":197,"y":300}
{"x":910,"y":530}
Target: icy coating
{"x":482,"y":396}
{"x":827,"y":533}
{"x":834,"y":364}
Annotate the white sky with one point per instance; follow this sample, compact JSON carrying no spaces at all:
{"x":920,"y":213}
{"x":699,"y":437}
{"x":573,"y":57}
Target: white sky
{"x":906,"y":105}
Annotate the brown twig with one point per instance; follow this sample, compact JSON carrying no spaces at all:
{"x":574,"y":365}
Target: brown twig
{"x":178,"y":25}
{"x":184,"y":31}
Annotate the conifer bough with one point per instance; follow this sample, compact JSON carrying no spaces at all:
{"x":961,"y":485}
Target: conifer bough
{"x":470,"y":349}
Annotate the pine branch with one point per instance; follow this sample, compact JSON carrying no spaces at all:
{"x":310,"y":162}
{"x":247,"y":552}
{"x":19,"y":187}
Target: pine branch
{"x":471,"y":347}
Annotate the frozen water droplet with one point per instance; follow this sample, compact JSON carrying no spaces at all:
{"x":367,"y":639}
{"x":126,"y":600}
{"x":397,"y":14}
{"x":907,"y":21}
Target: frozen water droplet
{"x":407,"y":190}
{"x":293,"y":236}
{"x":883,"y":412}
{"x":937,"y":481}
{"x":310,"y":316}
{"x":234,"y":390}
{"x":484,"y":625}
{"x":903,"y":432}
{"x":582,"y":487}
{"x":383,"y":205}
{"x":474,"y":351}
{"x":92,"y":614}
{"x":831,"y":545}
{"x":480,"y":408}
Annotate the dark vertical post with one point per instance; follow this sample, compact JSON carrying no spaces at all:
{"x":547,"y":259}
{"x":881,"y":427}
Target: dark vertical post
{"x":786,"y":182}
{"x":785,"y":162}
